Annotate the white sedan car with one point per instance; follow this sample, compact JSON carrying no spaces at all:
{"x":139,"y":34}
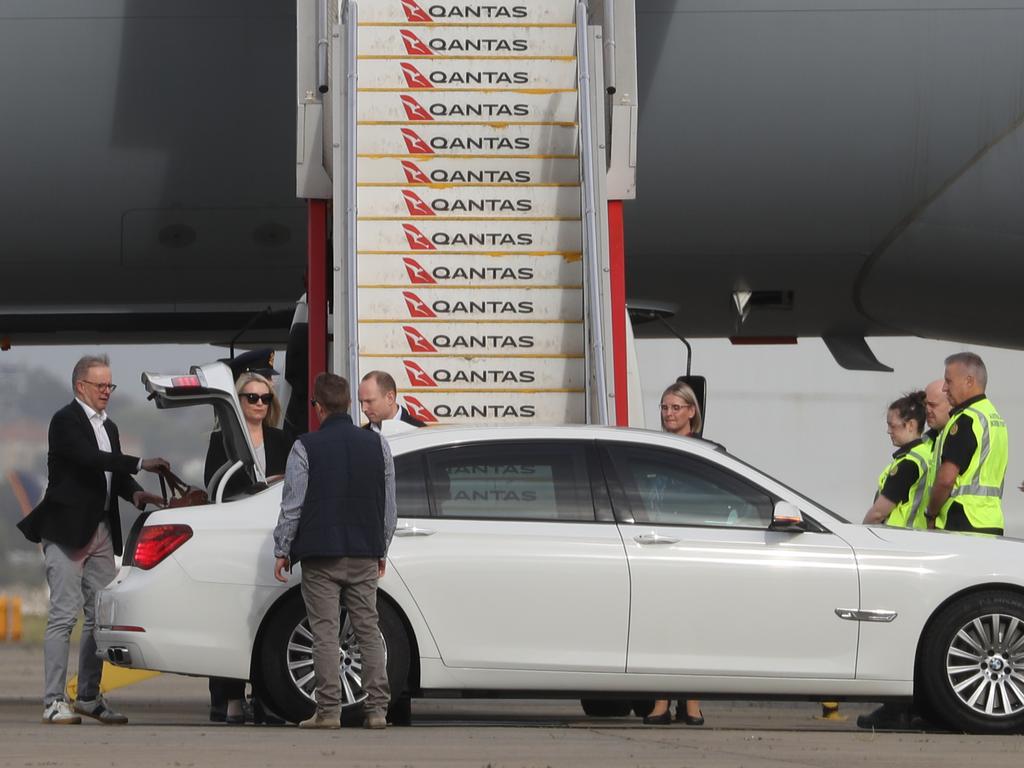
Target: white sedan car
{"x":590,"y":562}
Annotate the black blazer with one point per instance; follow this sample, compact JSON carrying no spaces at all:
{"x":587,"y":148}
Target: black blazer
{"x":275,"y":445}
{"x":406,"y":417}
{"x":72,"y":506}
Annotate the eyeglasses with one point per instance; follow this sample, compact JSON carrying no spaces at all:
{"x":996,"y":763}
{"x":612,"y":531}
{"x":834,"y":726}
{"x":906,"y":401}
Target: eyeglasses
{"x":102,"y":386}
{"x":675,"y":408}
{"x":312,"y":401}
{"x":254,"y":398}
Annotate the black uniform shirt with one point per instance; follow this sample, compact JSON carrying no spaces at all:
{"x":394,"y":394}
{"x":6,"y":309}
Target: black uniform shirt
{"x":897,"y":486}
{"x":960,"y":442}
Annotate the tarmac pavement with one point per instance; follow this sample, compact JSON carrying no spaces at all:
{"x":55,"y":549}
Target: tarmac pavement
{"x":169,"y":727}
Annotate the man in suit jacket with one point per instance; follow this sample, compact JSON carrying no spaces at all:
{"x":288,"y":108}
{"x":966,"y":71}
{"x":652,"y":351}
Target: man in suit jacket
{"x":378,"y":398}
{"x":79,"y":526}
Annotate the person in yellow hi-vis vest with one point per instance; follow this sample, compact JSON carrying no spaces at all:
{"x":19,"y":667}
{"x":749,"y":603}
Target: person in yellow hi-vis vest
{"x":902,"y":495}
{"x":970,"y":454}
{"x":936,"y":413}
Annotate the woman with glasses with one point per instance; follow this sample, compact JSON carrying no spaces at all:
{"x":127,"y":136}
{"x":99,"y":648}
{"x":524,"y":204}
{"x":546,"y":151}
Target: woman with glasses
{"x":262,"y":412}
{"x":680,"y":415}
{"x":902,"y":494}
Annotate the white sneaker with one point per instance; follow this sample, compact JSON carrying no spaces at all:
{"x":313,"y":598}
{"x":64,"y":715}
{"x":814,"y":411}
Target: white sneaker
{"x":98,"y":709}
{"x":59,"y":713}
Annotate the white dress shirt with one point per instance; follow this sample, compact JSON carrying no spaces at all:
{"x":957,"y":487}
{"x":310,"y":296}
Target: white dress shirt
{"x":96,"y":419}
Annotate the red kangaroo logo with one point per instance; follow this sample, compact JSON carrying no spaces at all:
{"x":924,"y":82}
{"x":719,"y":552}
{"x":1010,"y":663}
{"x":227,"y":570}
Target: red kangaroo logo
{"x":417,"y":341}
{"x":417,"y":240}
{"x":413,"y":77}
{"x":414,"y":110}
{"x":413,"y":174}
{"x":414,"y":13}
{"x":419,"y":410}
{"x":413,"y":45}
{"x":417,"y":274}
{"x":415,"y":144}
{"x":416,"y":305}
{"x":417,"y":376}
{"x":416,"y":205}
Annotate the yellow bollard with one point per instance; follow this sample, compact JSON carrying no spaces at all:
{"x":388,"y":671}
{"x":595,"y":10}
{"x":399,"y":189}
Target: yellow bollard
{"x":16,"y":619}
{"x":830,"y":711}
{"x":3,"y":617}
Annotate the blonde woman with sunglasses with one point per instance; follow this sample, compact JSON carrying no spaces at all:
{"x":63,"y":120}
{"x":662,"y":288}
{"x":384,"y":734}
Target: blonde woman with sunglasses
{"x":262,"y":412}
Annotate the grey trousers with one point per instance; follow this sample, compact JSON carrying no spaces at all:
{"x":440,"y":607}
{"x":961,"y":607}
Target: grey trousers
{"x":325,"y":582}
{"x":74,"y":577}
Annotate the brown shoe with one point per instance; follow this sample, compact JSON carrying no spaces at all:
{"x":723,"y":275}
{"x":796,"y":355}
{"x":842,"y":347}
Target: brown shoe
{"x":375,"y":721}
{"x":322,"y":720}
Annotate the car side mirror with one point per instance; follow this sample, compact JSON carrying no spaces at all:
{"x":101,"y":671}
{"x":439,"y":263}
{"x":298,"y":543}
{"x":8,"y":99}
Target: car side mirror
{"x":786,"y":517}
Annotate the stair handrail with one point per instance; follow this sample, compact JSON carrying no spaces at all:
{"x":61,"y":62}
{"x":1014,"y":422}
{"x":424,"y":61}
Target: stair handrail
{"x":350,"y":19}
{"x":590,"y":239}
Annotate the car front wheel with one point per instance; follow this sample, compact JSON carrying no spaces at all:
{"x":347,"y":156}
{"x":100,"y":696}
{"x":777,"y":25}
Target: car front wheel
{"x":286,"y":661}
{"x":972,"y":671}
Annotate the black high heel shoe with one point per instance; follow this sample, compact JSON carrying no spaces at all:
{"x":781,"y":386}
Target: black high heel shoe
{"x":665,"y":718}
{"x":682,"y":717}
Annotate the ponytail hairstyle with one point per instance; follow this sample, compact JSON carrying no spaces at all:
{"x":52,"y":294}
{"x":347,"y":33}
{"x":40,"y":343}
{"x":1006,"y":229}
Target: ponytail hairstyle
{"x":911,"y":406}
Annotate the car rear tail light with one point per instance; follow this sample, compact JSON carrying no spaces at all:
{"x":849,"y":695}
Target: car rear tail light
{"x":156,"y":542}
{"x":186,"y":382}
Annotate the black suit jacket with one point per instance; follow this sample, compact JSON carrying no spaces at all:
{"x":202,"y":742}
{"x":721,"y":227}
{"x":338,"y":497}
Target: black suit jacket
{"x":276,"y":447}
{"x":406,"y":417}
{"x":76,"y":487}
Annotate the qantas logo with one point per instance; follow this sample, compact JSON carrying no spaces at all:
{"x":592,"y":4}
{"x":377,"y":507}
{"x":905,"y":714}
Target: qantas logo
{"x":417,"y":240}
{"x":417,"y":341}
{"x":417,"y":274}
{"x":415,"y":204}
{"x":413,"y":77}
{"x":414,"y":13}
{"x":414,"y":110}
{"x":417,"y":307}
{"x":417,"y":376}
{"x":419,"y":410}
{"x":413,"y":45}
{"x":414,"y":143}
{"x":413,"y":174}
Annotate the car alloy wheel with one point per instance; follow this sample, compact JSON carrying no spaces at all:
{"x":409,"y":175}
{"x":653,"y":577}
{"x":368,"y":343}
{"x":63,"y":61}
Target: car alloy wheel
{"x":970,"y":674}
{"x":985,"y":665}
{"x":300,"y":662}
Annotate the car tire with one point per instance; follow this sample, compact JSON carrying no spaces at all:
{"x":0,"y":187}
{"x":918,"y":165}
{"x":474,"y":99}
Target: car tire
{"x":973,"y":649}
{"x":278,"y":681}
{"x":606,"y":707}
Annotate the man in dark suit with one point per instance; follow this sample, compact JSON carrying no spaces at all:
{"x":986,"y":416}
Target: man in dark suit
{"x":378,"y":399}
{"x":79,"y":526}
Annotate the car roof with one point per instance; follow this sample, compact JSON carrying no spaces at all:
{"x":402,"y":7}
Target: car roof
{"x":444,"y":436}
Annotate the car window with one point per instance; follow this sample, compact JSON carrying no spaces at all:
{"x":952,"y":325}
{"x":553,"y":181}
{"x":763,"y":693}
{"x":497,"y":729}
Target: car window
{"x":665,"y":487}
{"x":512,"y":481}
{"x":410,"y":486}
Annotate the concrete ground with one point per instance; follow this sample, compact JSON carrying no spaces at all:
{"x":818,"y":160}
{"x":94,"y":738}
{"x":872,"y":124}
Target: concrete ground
{"x":169,"y":727}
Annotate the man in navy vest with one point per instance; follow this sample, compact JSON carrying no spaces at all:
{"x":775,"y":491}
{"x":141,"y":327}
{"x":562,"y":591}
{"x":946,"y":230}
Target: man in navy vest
{"x":337,"y":518}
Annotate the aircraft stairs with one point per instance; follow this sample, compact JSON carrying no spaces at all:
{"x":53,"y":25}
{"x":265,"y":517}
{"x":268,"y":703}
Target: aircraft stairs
{"x":467,"y":205}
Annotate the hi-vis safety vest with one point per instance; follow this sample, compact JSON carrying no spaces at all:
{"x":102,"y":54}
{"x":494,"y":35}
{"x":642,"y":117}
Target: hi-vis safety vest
{"x":979,"y":489}
{"x":910,"y":513}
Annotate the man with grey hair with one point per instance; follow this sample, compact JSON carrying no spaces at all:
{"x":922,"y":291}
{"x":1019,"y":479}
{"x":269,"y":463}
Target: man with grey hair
{"x":79,"y":526}
{"x":971,"y":452}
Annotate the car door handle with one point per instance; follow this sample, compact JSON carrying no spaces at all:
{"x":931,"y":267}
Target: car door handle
{"x":653,"y":538}
{"x":412,"y":530}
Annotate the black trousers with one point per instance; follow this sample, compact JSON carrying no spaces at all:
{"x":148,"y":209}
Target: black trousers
{"x":222,"y":689}
{"x":956,"y":520}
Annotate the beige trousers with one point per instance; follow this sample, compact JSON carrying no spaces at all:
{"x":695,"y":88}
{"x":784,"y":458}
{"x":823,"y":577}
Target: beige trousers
{"x":326,"y":581}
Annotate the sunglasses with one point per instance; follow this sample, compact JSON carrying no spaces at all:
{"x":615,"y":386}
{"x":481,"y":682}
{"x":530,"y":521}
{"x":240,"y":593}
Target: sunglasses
{"x":254,"y":398}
